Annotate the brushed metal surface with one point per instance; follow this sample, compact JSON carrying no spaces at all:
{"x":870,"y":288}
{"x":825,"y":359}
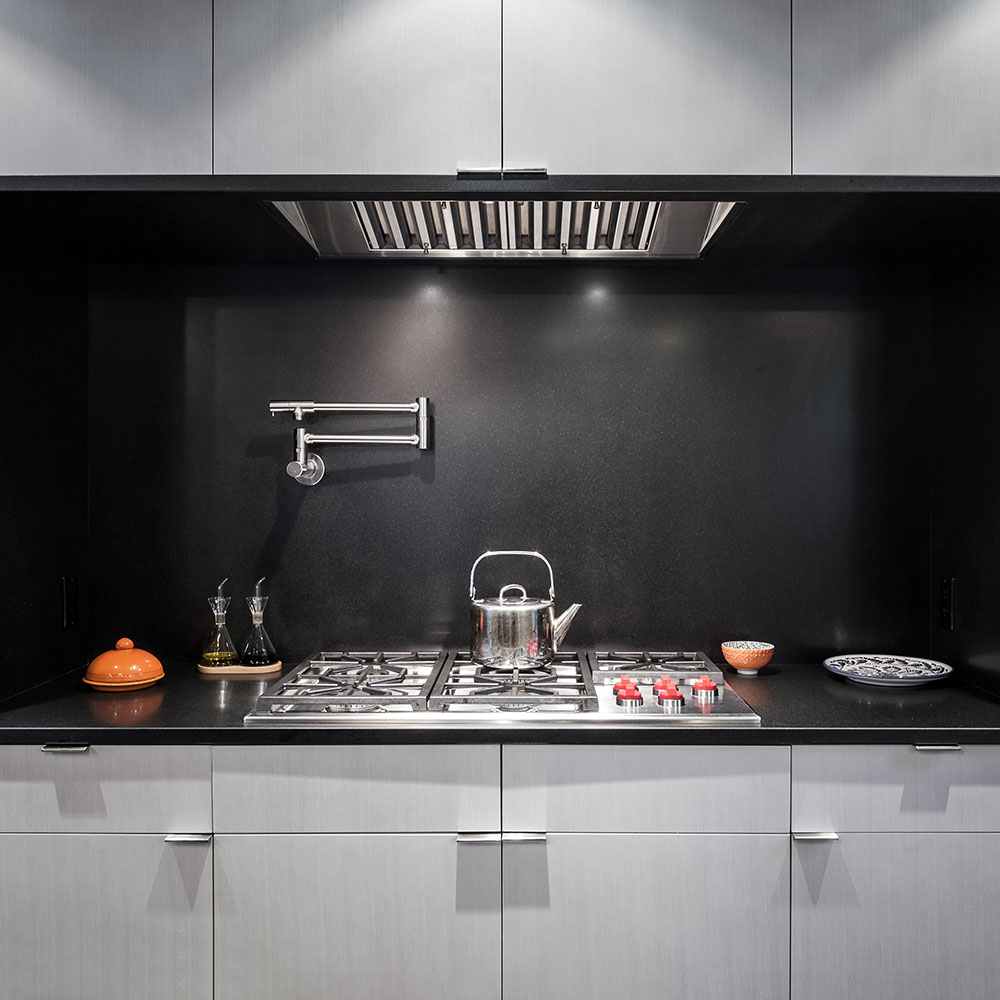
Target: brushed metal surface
{"x":375,"y":916}
{"x":896,"y":916}
{"x":106,"y":87}
{"x":104,"y":917}
{"x":646,"y":789}
{"x":345,"y":789}
{"x":631,"y":87}
{"x":108,"y":789}
{"x":587,"y":917}
{"x":884,"y":87}
{"x":349,"y":86}
{"x":895,"y":788}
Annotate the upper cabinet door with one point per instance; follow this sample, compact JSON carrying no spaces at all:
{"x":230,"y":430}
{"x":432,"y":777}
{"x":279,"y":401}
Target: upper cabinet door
{"x":896,"y":87}
{"x":640,"y":87}
{"x":356,"y":86}
{"x":106,"y":87}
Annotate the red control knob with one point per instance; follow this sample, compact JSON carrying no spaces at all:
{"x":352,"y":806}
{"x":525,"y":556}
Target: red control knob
{"x":670,"y":694}
{"x":623,"y":681}
{"x":629,"y":697}
{"x":663,"y":682}
{"x":705,"y":689}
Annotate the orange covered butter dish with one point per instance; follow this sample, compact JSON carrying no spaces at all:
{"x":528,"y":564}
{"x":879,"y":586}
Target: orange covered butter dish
{"x":123,"y":668}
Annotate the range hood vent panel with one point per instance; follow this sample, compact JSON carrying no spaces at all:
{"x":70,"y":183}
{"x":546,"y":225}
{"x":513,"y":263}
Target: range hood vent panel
{"x":589,"y":229}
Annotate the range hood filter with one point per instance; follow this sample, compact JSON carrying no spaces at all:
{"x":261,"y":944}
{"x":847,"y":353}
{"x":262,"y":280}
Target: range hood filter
{"x":610,"y":229}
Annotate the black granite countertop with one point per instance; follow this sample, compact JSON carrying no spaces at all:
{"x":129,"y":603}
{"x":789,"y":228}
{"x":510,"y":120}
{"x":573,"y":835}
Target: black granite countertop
{"x":797,"y":703}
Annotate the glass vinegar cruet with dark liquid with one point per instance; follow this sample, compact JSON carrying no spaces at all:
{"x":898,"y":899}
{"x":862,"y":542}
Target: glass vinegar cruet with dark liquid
{"x":220,"y":651}
{"x":259,"y":650}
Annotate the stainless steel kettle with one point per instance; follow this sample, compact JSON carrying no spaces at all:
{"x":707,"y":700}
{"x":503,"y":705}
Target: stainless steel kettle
{"x":512,"y":629}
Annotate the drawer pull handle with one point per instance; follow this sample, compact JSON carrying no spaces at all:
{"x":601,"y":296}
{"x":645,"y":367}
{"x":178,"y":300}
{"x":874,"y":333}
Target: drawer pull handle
{"x":826,"y":835}
{"x":187,"y":838}
{"x":936,"y":747}
{"x":501,"y":838}
{"x":65,"y":747}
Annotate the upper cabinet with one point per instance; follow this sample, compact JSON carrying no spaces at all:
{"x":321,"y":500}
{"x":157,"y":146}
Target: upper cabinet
{"x":356,"y":86}
{"x":896,"y":87}
{"x":106,"y":87}
{"x":633,"y":87}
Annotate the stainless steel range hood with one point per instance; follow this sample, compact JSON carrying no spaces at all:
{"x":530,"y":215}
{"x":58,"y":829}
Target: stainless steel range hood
{"x":593,"y":229}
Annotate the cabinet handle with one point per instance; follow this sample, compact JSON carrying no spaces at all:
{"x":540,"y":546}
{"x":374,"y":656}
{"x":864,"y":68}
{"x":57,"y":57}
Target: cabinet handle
{"x":936,"y":747}
{"x":828,"y":835}
{"x":500,"y":838}
{"x":65,"y":747}
{"x":187,"y":838}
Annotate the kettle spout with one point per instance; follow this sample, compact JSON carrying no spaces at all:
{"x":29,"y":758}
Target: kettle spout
{"x":561,"y":625}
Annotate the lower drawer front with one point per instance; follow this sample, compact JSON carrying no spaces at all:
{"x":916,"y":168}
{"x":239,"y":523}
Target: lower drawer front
{"x":356,"y":916}
{"x":896,"y":789}
{"x":105,"y":789}
{"x":105,"y":917}
{"x":896,"y":916}
{"x":608,"y":789}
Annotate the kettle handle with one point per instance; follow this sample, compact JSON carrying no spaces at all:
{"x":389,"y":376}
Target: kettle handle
{"x":511,"y":552}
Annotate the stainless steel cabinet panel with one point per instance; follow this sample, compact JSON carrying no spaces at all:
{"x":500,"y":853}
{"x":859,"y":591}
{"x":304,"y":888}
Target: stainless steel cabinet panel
{"x":106,"y":87}
{"x":104,"y":917}
{"x":587,"y":917}
{"x":646,"y":789}
{"x":375,"y":916}
{"x":633,"y":87}
{"x":895,"y":788}
{"x":351,"y":86}
{"x":896,"y":87}
{"x":119,"y":789}
{"x":335,"y":789}
{"x":896,"y":916}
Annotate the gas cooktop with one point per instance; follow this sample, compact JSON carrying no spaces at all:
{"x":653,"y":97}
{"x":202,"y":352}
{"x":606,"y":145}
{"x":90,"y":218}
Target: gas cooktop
{"x":441,"y":688}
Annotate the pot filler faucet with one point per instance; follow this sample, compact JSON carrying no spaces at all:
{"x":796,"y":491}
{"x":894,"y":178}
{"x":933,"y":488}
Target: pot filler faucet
{"x":308,"y":468}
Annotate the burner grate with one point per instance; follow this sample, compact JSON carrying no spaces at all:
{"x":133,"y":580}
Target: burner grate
{"x":354,"y":682}
{"x":563,"y":685}
{"x":682,"y":667}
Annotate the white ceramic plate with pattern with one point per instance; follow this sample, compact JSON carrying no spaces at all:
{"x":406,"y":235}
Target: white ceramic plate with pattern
{"x":884,"y":670}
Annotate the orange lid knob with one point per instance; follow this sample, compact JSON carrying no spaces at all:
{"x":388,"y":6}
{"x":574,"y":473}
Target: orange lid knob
{"x":124,"y":644}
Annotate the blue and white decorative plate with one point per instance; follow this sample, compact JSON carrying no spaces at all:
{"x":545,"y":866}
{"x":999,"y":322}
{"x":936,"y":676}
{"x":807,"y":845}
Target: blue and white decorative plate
{"x":888,"y":671}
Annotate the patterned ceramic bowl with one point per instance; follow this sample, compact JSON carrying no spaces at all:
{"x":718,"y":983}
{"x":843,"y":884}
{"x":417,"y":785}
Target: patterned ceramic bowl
{"x":746,"y":656}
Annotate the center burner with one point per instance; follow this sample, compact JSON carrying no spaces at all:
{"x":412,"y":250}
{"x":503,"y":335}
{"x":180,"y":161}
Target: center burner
{"x":562,"y":685}
{"x":354,"y":682}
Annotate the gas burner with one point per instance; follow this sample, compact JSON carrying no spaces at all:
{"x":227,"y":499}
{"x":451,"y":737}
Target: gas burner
{"x":336,"y":682}
{"x":562,"y":685}
{"x":682,"y":668}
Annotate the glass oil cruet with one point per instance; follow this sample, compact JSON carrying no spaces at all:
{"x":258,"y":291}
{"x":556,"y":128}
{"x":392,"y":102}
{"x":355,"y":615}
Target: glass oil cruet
{"x":259,"y":650}
{"x":220,"y":651}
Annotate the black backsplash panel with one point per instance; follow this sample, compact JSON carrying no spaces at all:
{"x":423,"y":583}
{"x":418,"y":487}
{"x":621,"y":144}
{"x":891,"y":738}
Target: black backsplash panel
{"x":966,"y":512}
{"x":43,"y":435}
{"x":702,"y":454}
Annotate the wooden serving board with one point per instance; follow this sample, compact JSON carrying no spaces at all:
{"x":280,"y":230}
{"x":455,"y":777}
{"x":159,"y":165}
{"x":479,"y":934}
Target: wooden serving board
{"x":239,"y":668}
